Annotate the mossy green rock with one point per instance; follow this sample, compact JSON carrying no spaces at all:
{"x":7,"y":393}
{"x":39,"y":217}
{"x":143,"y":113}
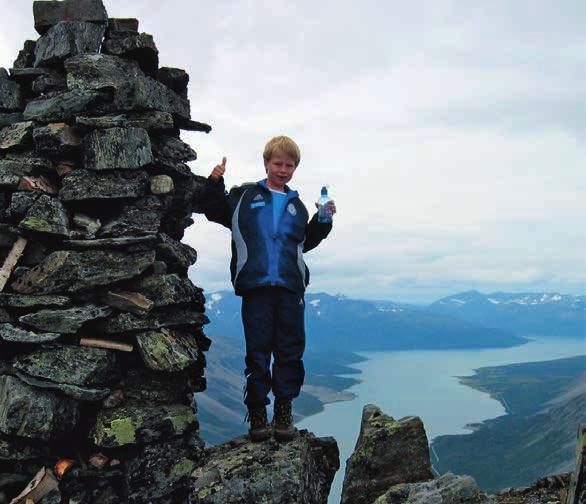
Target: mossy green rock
{"x":31,"y":413}
{"x":67,"y":321}
{"x":143,"y":217}
{"x":80,"y":185}
{"x":47,"y":215}
{"x":166,"y":290}
{"x":99,"y":71}
{"x":16,"y":136}
{"x":24,"y":301}
{"x":388,"y":452}
{"x":127,"y":425}
{"x":75,"y":365}
{"x":164,"y":350}
{"x":155,"y":319}
{"x":68,"y":271}
{"x":300,"y":471}
{"x":61,"y":106}
{"x":15,"y":334}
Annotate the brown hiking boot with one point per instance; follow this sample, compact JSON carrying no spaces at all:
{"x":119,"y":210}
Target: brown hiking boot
{"x":259,"y":426}
{"x":283,"y":420}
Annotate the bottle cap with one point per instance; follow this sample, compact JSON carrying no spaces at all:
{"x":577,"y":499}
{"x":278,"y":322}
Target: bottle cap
{"x":324,"y":191}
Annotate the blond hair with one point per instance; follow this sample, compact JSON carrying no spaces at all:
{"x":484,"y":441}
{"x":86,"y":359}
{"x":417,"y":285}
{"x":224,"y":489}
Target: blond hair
{"x":283,"y":145}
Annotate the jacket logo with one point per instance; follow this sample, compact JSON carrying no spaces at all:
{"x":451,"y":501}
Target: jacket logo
{"x":257,"y":204}
{"x":258,"y":197}
{"x":291,"y":209}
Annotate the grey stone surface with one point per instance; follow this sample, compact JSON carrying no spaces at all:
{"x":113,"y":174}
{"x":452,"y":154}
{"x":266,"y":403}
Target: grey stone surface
{"x":155,"y":319}
{"x":142,"y":217}
{"x":68,"y":38}
{"x":27,"y":75}
{"x":122,"y":25}
{"x":56,"y":138}
{"x":11,"y":172}
{"x":300,"y":471}
{"x":167,"y":290}
{"x":79,"y":185}
{"x":146,"y":120}
{"x":161,"y":184}
{"x":102,"y":243}
{"x":69,"y":364}
{"x":61,"y":106}
{"x":178,"y":255}
{"x":10,"y":95}
{"x":67,"y":321}
{"x":15,"y":334}
{"x":49,"y":13}
{"x":26,"y":56}
{"x":138,"y":46}
{"x":166,"y":350}
{"x":8,"y":118}
{"x":87,"y":224}
{"x":173,"y":148}
{"x":49,"y":83}
{"x":99,"y":71}
{"x":388,"y":452}
{"x":20,"y":203}
{"x":27,"y":412}
{"x":68,"y":271}
{"x":116,"y":149}
{"x":73,"y":391}
{"x":46,"y":215}
{"x":175,"y":78}
{"x":16,"y":136}
{"x":30,"y":302}
{"x":18,"y":449}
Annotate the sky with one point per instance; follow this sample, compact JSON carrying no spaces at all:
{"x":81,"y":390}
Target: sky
{"x":451,"y":133}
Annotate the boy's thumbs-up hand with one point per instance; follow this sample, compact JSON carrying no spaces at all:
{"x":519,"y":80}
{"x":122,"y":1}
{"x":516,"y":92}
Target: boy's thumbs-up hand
{"x":219,"y":170}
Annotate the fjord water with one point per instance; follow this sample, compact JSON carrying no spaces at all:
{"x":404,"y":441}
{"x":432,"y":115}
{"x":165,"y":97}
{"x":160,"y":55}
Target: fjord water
{"x":424,"y":383}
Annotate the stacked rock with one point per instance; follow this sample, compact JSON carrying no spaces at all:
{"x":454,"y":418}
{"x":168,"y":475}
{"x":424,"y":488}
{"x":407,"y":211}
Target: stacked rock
{"x":101,"y":335}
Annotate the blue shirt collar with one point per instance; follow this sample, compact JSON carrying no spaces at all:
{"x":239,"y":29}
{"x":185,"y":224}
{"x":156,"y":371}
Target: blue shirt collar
{"x":288,"y":191}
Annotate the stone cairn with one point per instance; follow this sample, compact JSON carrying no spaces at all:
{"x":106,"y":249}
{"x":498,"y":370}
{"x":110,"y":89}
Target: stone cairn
{"x":101,"y":335}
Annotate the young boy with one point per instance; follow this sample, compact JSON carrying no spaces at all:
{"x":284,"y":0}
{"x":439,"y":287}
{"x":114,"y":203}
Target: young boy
{"x":270,"y":232}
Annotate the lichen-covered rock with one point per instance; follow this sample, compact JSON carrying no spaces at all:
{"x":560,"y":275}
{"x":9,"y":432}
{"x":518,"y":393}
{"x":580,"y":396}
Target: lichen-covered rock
{"x":174,"y":78}
{"x":160,"y":473}
{"x":87,"y":224}
{"x":74,"y":391}
{"x":49,"y":13}
{"x":18,"y":449}
{"x":20,"y":203}
{"x":69,"y":364}
{"x":173,"y":148}
{"x":388,"y":452}
{"x":167,"y":290}
{"x":56,"y":138}
{"x":68,"y":271}
{"x":99,"y":71}
{"x":68,"y":38}
{"x":67,"y":321}
{"x":164,"y":350}
{"x":8,"y":118}
{"x":26,"y":56}
{"x":155,"y":319}
{"x":10,"y":95}
{"x":145,"y":93}
{"x":16,"y":136}
{"x":11,"y":171}
{"x":101,"y":243}
{"x":142,"y":217}
{"x":31,"y":302}
{"x":447,"y":489}
{"x":152,"y":120}
{"x":161,"y":184}
{"x":15,"y":334}
{"x":80,"y":185}
{"x":30,"y":413}
{"x":49,"y":83}
{"x":122,"y":25}
{"x":178,"y":256}
{"x":300,"y":471}
{"x":61,"y":106}
{"x":137,"y":46}
{"x":116,"y":149}
{"x":27,"y":75}
{"x":46,"y":215}
{"x":142,"y":424}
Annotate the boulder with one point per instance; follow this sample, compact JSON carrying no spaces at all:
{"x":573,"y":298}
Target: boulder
{"x":17,"y":136}
{"x":10,"y":95}
{"x":68,"y":271}
{"x":15,"y":334}
{"x":155,"y":319}
{"x":142,"y":217}
{"x":122,"y":25}
{"x":137,"y":46}
{"x":99,"y":71}
{"x":69,"y":364}
{"x":30,"y":413}
{"x":173,"y":148}
{"x":300,"y":471}
{"x":146,"y":120}
{"x":26,"y":56}
{"x":166,"y":290}
{"x":56,"y":138}
{"x":161,"y":184}
{"x":166,"y":350}
{"x":178,"y":255}
{"x":68,"y":321}
{"x":49,"y":83}
{"x":60,"y":106}
{"x":79,"y":185}
{"x":117,"y":148}
{"x":49,"y":13}
{"x":174,"y":78}
{"x":27,"y":75}
{"x":129,"y":424}
{"x":388,"y":452}
{"x":46,"y":215}
{"x":68,"y":38}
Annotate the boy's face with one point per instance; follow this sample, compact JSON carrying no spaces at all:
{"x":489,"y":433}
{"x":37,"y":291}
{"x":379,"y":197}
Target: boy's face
{"x":279,"y":170}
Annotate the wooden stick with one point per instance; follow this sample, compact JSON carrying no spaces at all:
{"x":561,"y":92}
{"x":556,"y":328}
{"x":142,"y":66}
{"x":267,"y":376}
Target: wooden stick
{"x":100,"y":343}
{"x":11,"y":260}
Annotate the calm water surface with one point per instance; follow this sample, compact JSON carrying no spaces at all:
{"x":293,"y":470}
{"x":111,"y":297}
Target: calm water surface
{"x":424,"y":383}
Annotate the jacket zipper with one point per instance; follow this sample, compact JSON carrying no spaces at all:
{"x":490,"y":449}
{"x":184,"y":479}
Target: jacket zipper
{"x":273,"y":273}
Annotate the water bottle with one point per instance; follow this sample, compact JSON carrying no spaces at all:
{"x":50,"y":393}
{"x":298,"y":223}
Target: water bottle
{"x":324,"y":211}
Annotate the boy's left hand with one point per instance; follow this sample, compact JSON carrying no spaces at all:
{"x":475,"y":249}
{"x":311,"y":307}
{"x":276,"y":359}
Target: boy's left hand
{"x":329,"y":203}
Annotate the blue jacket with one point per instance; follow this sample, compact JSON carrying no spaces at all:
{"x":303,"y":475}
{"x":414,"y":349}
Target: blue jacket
{"x":260,"y":256}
